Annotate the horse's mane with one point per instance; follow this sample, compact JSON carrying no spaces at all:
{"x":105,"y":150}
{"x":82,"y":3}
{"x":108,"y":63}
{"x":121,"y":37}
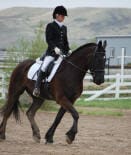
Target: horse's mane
{"x":83,"y":46}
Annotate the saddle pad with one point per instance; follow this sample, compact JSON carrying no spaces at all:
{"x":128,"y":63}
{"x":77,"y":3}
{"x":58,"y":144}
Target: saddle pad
{"x":32,"y":73}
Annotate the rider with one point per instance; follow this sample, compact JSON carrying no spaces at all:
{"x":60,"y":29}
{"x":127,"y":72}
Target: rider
{"x":56,"y":38}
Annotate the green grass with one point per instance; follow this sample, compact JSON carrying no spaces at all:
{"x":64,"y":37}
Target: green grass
{"x":119,"y":104}
{"x":95,"y":108}
{"x":50,"y":106}
{"x":101,"y":112}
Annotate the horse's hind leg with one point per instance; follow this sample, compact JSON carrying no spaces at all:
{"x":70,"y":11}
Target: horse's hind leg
{"x":10,"y":107}
{"x":2,"y":129}
{"x":6,"y":114}
{"x":30,"y":114}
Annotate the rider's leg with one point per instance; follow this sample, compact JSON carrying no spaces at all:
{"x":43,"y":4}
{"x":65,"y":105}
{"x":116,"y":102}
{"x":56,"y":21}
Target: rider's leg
{"x":42,"y":75}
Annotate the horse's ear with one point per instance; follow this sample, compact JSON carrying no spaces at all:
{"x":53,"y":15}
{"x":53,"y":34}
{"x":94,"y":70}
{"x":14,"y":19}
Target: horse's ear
{"x":104,"y":44}
{"x":100,"y":44}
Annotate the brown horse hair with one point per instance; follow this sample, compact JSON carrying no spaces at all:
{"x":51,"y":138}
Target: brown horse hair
{"x":12,"y":105}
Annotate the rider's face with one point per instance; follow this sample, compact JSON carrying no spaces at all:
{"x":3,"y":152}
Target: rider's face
{"x":60,"y":18}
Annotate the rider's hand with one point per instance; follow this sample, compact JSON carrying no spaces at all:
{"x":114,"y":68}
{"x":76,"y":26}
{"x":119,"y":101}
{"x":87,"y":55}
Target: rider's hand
{"x":70,"y":51}
{"x":57,"y":50}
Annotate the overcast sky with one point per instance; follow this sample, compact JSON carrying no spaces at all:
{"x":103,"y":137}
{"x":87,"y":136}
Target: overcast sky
{"x":67,"y":3}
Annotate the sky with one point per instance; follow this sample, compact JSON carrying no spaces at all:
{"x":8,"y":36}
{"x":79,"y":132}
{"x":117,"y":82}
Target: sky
{"x":67,"y":3}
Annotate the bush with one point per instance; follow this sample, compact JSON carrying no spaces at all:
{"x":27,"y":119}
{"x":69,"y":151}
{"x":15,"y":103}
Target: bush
{"x":24,"y":49}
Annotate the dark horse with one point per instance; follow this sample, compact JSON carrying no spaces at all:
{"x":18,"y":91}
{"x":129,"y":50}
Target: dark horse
{"x":65,"y":87}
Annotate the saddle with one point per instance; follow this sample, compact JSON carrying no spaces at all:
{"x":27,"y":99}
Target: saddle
{"x":50,"y":72}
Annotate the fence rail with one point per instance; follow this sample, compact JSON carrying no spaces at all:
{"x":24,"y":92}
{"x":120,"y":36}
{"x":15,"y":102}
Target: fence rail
{"x":115,"y":87}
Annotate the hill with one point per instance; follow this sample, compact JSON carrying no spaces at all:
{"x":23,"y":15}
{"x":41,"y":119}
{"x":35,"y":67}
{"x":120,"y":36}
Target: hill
{"x":83,"y":23}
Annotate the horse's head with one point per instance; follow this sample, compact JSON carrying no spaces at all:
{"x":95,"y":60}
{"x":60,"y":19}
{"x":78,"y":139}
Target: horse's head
{"x":98,"y":63}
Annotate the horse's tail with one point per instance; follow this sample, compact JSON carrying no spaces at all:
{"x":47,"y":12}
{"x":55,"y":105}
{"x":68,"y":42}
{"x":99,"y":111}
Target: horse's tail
{"x":16,"y":88}
{"x":11,"y":106}
{"x":12,"y":101}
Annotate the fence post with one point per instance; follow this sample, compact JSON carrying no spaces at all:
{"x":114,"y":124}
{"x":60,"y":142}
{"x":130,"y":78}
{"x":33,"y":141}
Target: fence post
{"x":117,"y":94}
{"x":3,"y":86}
{"x":122,"y":63}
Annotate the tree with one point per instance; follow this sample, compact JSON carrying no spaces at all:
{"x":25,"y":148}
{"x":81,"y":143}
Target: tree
{"x":24,"y":49}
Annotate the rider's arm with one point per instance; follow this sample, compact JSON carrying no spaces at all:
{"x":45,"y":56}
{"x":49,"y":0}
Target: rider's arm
{"x":50,"y":37}
{"x":66,"y":40}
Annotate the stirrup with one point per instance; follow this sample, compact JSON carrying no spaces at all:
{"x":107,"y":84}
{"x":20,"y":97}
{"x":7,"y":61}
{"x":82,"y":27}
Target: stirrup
{"x":36,"y":92}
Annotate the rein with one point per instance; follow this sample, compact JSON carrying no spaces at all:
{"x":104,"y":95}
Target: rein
{"x":77,"y":67}
{"x":83,"y":70}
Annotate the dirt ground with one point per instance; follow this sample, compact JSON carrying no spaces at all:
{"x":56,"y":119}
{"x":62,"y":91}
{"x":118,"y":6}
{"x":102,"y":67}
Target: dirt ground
{"x":97,"y":135}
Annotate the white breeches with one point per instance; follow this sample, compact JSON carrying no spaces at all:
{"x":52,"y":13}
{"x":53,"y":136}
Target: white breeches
{"x":46,"y":62}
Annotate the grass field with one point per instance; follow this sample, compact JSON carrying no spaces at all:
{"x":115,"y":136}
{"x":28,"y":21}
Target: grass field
{"x":96,"y":108}
{"x":119,"y":104}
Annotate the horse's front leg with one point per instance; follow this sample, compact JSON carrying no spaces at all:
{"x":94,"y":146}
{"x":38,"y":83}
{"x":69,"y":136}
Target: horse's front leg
{"x":70,"y":135}
{"x":30,"y":114}
{"x":67,"y":105}
{"x":50,"y":133}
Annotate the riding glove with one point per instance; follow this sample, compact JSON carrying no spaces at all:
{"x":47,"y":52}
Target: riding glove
{"x":57,"y":50}
{"x":70,"y":51}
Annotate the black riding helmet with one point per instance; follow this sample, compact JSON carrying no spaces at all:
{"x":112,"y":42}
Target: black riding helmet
{"x":61,"y":10}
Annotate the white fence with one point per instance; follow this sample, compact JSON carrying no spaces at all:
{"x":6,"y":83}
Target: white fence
{"x":2,"y":86}
{"x":114,"y":88}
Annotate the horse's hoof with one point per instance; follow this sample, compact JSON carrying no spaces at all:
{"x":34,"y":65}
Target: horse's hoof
{"x":68,"y":140}
{"x":2,"y":138}
{"x":36,"y":139}
{"x":49,"y":141}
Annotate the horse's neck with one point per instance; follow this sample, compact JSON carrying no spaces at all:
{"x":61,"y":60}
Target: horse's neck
{"x":82,"y":58}
{"x":81,"y":61}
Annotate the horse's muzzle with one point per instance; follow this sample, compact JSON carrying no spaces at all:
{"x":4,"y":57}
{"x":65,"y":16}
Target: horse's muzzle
{"x":98,"y":80}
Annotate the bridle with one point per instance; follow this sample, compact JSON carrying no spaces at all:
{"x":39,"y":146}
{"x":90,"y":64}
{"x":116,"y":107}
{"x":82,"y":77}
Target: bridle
{"x":92,"y":70}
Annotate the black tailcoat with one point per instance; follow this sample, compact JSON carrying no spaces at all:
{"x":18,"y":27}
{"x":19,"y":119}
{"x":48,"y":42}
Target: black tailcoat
{"x":56,"y":36}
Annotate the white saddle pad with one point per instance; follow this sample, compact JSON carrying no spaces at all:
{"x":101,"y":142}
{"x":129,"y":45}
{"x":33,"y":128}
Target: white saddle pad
{"x":32,"y":73}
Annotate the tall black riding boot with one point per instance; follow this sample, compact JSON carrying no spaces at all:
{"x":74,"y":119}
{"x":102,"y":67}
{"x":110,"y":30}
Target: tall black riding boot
{"x":41,"y":76}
